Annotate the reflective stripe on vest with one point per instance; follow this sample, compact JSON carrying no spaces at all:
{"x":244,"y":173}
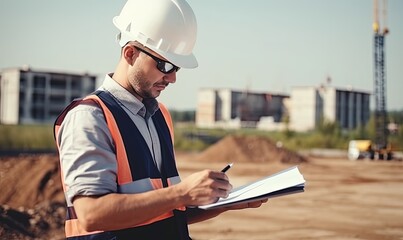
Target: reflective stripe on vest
{"x":136,"y":171}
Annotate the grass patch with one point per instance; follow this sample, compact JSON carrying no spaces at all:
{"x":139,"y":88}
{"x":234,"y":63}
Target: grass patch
{"x":190,"y":138}
{"x":26,"y":137}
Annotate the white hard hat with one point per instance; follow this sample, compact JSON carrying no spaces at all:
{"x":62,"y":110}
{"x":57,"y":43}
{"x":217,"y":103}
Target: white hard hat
{"x":168,"y":27}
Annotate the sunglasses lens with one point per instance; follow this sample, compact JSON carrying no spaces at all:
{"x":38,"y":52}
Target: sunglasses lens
{"x":166,"y":67}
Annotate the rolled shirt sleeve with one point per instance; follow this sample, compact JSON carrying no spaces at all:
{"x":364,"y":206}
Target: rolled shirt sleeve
{"x":88,"y":161}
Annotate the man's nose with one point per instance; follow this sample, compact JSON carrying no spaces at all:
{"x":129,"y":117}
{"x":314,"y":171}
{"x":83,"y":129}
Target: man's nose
{"x":170,"y":77}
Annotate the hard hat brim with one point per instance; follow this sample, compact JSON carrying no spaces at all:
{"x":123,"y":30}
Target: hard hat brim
{"x":188,"y":61}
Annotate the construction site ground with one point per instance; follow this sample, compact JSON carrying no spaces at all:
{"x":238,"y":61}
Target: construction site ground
{"x":343,"y":199}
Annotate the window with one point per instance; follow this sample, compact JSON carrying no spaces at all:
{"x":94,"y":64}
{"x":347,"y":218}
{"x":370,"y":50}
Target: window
{"x":58,"y":83}
{"x":76,"y":83}
{"x":39,"y":82}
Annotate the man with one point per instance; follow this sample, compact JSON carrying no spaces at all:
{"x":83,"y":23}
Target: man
{"x":115,"y":146}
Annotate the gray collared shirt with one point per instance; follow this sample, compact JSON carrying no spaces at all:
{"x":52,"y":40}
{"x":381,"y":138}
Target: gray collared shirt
{"x":86,"y":150}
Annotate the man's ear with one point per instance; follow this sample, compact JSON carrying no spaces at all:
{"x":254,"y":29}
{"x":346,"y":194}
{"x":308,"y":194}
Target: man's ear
{"x":130,"y":53}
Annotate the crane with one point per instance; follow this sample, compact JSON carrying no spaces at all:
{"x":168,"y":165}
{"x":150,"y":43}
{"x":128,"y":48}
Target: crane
{"x":378,"y":148}
{"x":380,"y":145}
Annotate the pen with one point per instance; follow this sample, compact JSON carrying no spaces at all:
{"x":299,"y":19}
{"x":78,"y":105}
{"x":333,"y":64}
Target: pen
{"x":227,"y":167}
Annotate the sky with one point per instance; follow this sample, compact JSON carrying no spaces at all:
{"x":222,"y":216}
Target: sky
{"x":259,"y":45}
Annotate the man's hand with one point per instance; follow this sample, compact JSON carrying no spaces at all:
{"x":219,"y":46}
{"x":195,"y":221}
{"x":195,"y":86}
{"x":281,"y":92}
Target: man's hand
{"x":255,"y":204}
{"x":198,"y":215}
{"x":204,"y":187}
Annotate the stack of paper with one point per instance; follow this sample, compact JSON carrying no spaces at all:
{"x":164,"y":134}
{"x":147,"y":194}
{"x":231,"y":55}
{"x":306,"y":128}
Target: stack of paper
{"x":285,"y":182}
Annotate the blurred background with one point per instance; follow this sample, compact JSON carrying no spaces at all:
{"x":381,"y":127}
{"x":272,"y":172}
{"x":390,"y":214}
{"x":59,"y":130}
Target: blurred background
{"x":308,"y":82}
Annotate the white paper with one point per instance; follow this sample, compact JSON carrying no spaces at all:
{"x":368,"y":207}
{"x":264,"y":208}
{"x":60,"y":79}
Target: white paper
{"x":283,"y":180}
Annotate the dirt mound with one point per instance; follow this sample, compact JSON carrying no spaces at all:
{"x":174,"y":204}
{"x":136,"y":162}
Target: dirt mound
{"x":249,"y":149}
{"x":32,"y":202}
{"x":29,"y":180}
{"x":44,"y":221}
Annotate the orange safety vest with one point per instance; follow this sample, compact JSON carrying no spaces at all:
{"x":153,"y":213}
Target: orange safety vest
{"x":136,"y":171}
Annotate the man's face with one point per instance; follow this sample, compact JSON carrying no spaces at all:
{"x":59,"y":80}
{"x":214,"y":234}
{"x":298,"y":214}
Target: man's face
{"x":146,"y":79}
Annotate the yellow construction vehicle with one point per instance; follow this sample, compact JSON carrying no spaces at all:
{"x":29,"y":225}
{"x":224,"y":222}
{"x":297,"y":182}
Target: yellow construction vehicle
{"x":358,"y":149}
{"x":361,"y":149}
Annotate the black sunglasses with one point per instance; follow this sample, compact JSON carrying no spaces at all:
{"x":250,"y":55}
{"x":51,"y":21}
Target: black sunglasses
{"x":162,"y":66}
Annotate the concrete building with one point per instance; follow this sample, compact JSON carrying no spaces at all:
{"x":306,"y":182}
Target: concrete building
{"x":310,"y":105}
{"x":30,"y":96}
{"x":227,"y":108}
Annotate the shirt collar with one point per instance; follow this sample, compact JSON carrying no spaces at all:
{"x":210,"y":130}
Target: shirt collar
{"x":146,"y":109}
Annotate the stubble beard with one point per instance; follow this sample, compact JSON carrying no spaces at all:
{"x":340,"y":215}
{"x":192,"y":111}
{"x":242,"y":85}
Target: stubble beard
{"x":141,"y":86}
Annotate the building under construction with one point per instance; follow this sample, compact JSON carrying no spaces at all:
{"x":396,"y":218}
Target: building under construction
{"x":29,"y":96}
{"x":228,"y":108}
{"x":304,"y":108}
{"x":311,"y":105}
